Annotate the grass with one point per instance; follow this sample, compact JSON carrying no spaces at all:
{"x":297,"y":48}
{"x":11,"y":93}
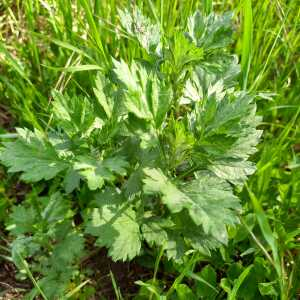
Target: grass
{"x":47,"y":44}
{"x":247,"y":41}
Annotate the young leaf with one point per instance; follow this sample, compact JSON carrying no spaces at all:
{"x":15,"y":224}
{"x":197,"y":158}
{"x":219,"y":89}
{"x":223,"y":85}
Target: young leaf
{"x":211,"y":32}
{"x":73,"y":114}
{"x":33,"y":155}
{"x":157,"y":182}
{"x":214,"y":205}
{"x":145,"y":96}
{"x":142,"y":29}
{"x":184,"y":52}
{"x":105,"y":102}
{"x":96,"y":172}
{"x":134,"y":79}
{"x":21,"y":220}
{"x":71,"y":180}
{"x":208,"y":199}
{"x":115,"y":226}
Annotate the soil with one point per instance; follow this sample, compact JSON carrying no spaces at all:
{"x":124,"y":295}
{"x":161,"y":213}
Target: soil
{"x":10,"y":288}
{"x":6,"y":119}
{"x":125,"y":275}
{"x":101,"y":267}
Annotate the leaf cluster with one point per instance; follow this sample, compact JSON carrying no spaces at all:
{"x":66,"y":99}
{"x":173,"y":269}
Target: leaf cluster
{"x":160,"y":145}
{"x":45,"y":235}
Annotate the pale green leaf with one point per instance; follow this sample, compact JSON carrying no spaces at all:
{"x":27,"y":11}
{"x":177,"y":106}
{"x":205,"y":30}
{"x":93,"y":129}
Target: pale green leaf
{"x":97,"y":171}
{"x":115,"y":226}
{"x":145,"y":95}
{"x":157,"y":182}
{"x":208,"y":199}
{"x":33,"y":155}
{"x":71,"y":180}
{"x":105,"y":102}
{"x":73,"y":114}
{"x":210,"y":32}
{"x":142,"y":29}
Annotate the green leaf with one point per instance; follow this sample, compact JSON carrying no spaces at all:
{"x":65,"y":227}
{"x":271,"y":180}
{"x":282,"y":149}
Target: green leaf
{"x":33,"y":155}
{"x":211,"y":32}
{"x":267,"y":289}
{"x":158,"y":98}
{"x":46,"y":222}
{"x":145,"y":95}
{"x":226,"y":124}
{"x":180,"y":144}
{"x":177,"y":234}
{"x":216,"y":77}
{"x":233,"y":293}
{"x":21,"y":247}
{"x":163,"y":233}
{"x":142,"y":29}
{"x":202,"y":288}
{"x":71,"y":180}
{"x":96,"y":172}
{"x":208,"y":199}
{"x":62,"y":258}
{"x":21,"y":220}
{"x":157,"y":182}
{"x":116,"y":165}
{"x":214,"y":205}
{"x":134,"y":183}
{"x":184,"y":292}
{"x":234,"y":171}
{"x":115,"y":226}
{"x":73,"y":114}
{"x":105,"y":102}
{"x":134,"y":79}
{"x":184,"y":53}
{"x":155,"y":230}
{"x":56,"y":208}
{"x":175,"y":246}
{"x":225,"y":285}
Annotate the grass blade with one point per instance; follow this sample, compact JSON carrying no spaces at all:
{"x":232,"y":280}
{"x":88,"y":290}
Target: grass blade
{"x":68,"y":46}
{"x":79,"y":68}
{"x":77,"y":289}
{"x":208,"y":5}
{"x":247,"y":40}
{"x":93,"y":28}
{"x":30,"y":275}
{"x":265,"y":227}
{"x":270,"y":239}
{"x":13,"y":63}
{"x":238,"y":283}
{"x":115,"y":286}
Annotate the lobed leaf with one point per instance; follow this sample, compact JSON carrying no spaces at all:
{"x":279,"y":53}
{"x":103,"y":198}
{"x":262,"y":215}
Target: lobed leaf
{"x":33,"y":155}
{"x":115,"y":226}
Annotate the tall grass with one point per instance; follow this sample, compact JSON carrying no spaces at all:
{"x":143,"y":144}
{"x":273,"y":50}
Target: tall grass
{"x":247,"y":40}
